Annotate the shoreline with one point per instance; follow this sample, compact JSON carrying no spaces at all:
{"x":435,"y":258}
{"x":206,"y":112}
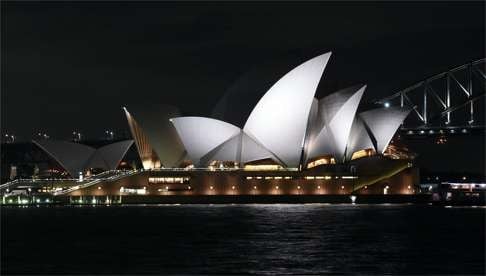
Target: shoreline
{"x":253,"y":199}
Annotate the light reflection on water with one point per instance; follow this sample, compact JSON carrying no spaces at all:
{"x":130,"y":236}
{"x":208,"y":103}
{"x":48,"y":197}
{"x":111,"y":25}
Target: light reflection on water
{"x":241,"y":239}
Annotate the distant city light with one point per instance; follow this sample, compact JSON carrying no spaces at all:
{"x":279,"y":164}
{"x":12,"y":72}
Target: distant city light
{"x":387,"y":104}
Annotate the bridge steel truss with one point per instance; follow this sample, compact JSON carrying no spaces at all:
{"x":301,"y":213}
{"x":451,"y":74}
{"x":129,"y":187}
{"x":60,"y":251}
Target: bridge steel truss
{"x":439,"y":115}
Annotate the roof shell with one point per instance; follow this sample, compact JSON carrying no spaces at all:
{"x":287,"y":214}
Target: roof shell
{"x":147,"y":154}
{"x":76,"y":158}
{"x":333,"y":122}
{"x":240,"y":148}
{"x":359,"y":138}
{"x":200,"y":135}
{"x":73,"y":157}
{"x":108,"y":157}
{"x":382,"y":123}
{"x":153,"y":121}
{"x":285,"y":109}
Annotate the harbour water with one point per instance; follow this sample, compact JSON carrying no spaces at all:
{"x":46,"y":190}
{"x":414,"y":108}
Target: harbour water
{"x":244,"y":239}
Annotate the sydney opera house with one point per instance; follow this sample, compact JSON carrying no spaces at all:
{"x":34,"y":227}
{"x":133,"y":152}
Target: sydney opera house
{"x":292,"y":143}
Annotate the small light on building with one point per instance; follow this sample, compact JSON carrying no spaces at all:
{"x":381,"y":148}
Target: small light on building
{"x":99,"y":188}
{"x":276,"y":187}
{"x":387,"y":104}
{"x":166,"y":187}
{"x":319,"y":187}
{"x":366,"y":187}
{"x":254,"y":187}
{"x":298,"y":187}
{"x":47,"y":200}
{"x":211,"y":187}
{"x":188,"y":187}
{"x":37,"y":200}
{"x":342,"y":187}
{"x":233,"y":187}
{"x":464,"y":178}
{"x":409,"y":187}
{"x":353,"y":198}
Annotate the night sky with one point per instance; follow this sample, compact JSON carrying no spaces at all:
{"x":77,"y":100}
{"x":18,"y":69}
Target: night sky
{"x":72,"y":66}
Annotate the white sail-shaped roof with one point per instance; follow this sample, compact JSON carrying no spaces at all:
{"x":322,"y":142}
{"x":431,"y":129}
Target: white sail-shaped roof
{"x":383,"y":123}
{"x":312,"y":127}
{"x":108,"y":157}
{"x":335,"y":118}
{"x":279,"y":120}
{"x":71,"y":156}
{"x":359,"y":138}
{"x":227,"y":151}
{"x":251,"y":150}
{"x":147,"y":154}
{"x":200,"y":135}
{"x":75,"y":157}
{"x":240,"y":148}
{"x":161,"y":135}
{"x":322,"y":144}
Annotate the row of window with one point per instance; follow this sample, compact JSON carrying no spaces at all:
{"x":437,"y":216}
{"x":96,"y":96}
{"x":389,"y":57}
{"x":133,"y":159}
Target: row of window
{"x":155,"y":180}
{"x":269,"y":177}
{"x":327,"y":177}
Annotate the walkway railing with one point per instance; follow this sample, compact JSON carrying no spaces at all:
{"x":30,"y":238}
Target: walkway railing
{"x":118,"y":175}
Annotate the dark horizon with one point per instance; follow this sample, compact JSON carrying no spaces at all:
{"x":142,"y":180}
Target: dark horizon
{"x":72,"y":66}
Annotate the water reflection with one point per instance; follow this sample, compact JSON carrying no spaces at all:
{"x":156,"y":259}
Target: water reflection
{"x":241,"y":239}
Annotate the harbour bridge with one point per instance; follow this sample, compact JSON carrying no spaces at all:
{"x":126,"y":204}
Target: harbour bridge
{"x":452,"y":102}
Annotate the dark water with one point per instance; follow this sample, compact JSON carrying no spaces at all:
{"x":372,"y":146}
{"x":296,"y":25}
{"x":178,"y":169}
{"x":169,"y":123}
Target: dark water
{"x":242,"y":239}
